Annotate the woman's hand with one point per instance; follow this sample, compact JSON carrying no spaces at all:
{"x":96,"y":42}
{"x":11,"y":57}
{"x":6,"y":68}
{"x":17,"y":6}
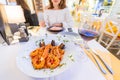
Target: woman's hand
{"x":42,"y":23}
{"x":58,"y":25}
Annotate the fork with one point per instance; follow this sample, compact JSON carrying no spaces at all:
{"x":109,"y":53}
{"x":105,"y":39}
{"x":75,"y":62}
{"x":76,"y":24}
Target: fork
{"x":99,"y":65}
{"x":106,"y":65}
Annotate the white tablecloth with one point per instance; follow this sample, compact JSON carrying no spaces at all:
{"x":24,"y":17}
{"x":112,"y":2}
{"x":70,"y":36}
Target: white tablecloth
{"x":83,"y":69}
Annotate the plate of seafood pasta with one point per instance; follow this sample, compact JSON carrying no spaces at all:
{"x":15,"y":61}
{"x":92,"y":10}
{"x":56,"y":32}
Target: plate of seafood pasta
{"x":46,"y":56}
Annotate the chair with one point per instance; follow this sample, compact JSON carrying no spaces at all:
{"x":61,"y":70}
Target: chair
{"x":110,"y":36}
{"x":95,"y":23}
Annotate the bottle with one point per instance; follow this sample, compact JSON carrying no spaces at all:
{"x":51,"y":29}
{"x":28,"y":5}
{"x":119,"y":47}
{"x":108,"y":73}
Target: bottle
{"x":23,"y":35}
{"x":22,"y":32}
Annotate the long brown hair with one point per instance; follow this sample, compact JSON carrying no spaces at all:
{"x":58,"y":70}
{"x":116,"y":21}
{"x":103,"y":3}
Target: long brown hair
{"x":62,"y":4}
{"x":2,"y":13}
{"x":23,"y":4}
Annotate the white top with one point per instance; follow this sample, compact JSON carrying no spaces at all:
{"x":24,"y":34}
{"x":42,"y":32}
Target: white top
{"x":58,"y":16}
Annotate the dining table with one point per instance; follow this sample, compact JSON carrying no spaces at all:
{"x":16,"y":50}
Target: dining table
{"x":84,"y":67}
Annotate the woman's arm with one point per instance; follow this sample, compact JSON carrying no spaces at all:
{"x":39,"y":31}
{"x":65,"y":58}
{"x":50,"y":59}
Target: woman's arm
{"x":68,"y":19}
{"x":46,"y":16}
{"x":46,"y":19}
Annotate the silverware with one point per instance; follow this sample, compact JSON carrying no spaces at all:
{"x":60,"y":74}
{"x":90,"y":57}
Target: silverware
{"x":106,"y":65}
{"x":99,"y":65}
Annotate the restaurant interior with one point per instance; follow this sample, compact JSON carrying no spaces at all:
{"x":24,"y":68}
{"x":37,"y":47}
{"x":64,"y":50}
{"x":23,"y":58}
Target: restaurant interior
{"x":59,"y":40}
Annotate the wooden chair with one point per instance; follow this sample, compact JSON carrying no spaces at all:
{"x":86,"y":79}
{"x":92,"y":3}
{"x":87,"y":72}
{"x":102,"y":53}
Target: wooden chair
{"x":110,"y":34}
{"x":95,"y":23}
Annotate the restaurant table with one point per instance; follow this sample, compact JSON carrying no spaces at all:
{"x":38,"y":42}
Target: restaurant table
{"x":83,"y":69}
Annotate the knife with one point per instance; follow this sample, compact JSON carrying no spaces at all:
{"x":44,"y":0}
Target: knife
{"x":100,"y":67}
{"x":106,"y":65}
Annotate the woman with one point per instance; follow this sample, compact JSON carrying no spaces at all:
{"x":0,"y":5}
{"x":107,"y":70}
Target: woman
{"x":27,"y":12}
{"x":57,"y":14}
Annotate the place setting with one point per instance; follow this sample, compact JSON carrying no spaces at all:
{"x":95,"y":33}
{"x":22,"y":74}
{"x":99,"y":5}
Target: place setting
{"x":88,"y":33}
{"x":36,"y":60}
{"x":51,"y":55}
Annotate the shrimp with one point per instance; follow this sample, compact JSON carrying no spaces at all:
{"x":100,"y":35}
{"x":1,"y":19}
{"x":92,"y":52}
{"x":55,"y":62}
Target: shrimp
{"x":38,"y":63}
{"x":58,"y":52}
{"x":46,"y":50}
{"x":52,"y":61}
{"x":34,"y":53}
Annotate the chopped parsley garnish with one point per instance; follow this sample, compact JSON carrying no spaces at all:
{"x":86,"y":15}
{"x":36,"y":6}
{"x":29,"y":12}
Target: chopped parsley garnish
{"x":42,"y":40}
{"x":59,"y":37}
{"x":62,"y":64}
{"x":65,"y":41}
{"x":51,"y":71}
{"x":71,"y":58}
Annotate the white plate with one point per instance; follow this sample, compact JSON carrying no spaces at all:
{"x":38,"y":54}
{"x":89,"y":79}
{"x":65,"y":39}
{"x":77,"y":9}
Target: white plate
{"x":24,"y":62}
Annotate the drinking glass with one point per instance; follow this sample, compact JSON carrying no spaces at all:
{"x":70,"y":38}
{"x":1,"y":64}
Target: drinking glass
{"x":87,"y":32}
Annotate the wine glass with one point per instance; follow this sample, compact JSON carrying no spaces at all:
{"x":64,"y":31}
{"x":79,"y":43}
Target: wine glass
{"x":87,"y":32}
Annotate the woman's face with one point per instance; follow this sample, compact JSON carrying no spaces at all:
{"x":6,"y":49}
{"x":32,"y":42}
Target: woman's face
{"x":56,"y":2}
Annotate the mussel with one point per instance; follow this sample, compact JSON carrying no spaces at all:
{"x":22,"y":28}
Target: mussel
{"x":53,"y":43}
{"x":61,"y":46}
{"x":41,"y":44}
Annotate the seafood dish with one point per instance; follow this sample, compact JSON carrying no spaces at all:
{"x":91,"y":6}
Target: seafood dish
{"x":47,"y":56}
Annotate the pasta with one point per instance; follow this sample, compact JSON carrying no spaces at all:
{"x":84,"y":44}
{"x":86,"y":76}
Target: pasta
{"x":47,"y":56}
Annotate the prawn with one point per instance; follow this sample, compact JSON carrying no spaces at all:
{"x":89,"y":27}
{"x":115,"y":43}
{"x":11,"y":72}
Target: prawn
{"x":46,"y":50}
{"x":38,"y":63}
{"x":52,"y":61}
{"x":34,"y":53}
{"x":58,"y":52}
